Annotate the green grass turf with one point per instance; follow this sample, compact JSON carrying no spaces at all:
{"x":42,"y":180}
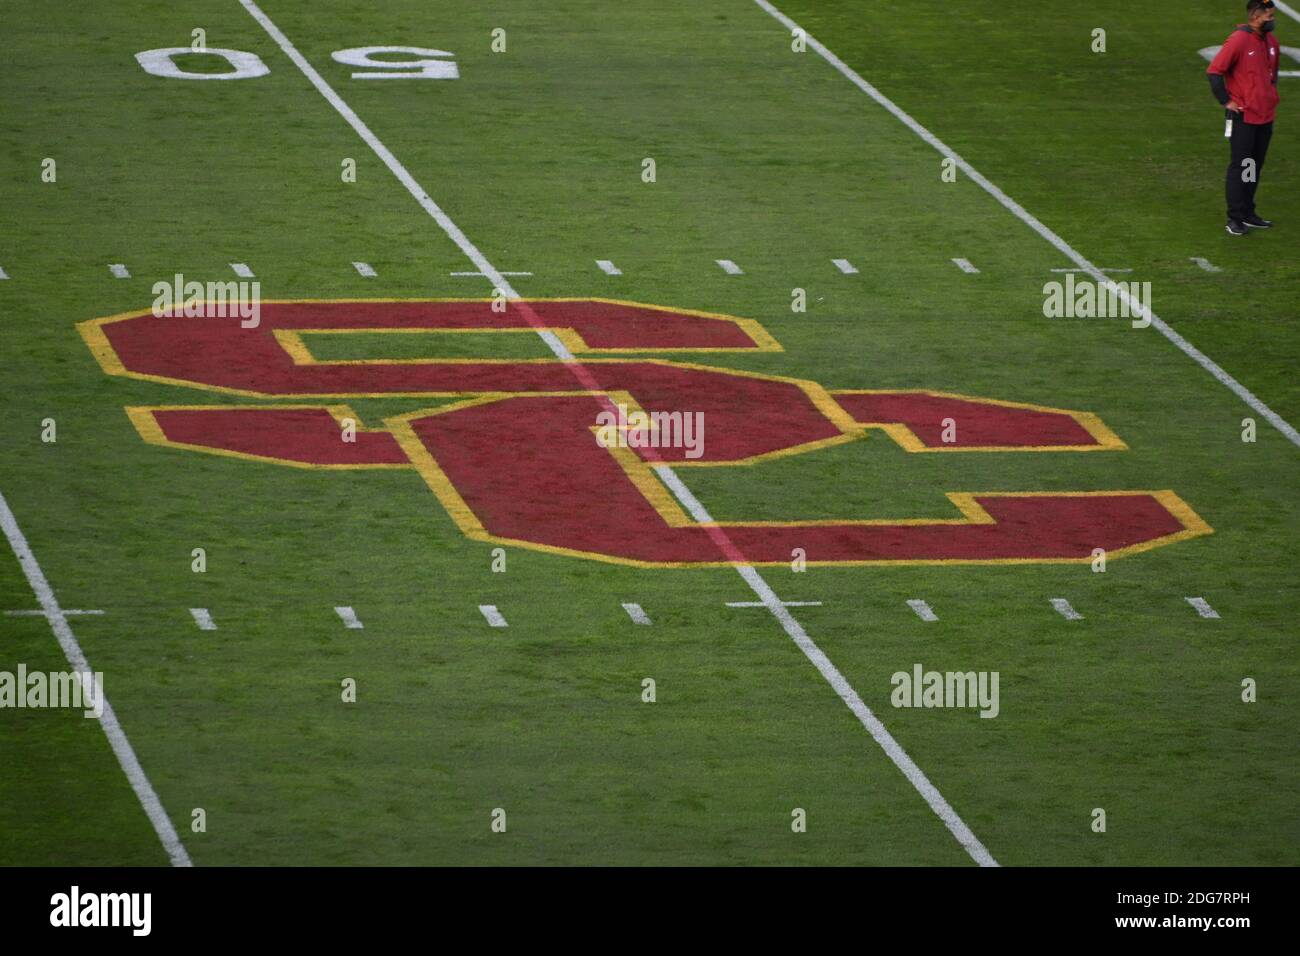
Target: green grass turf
{"x":766,"y":157}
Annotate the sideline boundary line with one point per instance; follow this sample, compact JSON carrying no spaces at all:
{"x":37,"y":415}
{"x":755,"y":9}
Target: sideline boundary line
{"x":969,"y":842}
{"x":1136,"y":307}
{"x":108,"y":721}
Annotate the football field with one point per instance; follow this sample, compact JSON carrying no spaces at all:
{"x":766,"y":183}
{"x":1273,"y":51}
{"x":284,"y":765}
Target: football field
{"x":365,"y":581}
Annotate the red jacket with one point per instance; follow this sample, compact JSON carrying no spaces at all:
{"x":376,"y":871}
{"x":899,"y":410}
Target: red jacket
{"x":1248,"y":63}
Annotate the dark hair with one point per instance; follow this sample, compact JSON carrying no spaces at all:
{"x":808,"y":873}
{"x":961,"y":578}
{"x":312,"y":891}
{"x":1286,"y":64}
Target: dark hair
{"x":1253,"y":5}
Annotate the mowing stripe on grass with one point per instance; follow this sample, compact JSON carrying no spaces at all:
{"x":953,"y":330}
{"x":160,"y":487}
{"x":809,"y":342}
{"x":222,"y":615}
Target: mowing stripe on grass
{"x":922,"y":610}
{"x":608,"y":267}
{"x":349,"y":618}
{"x":242,"y":270}
{"x":203,"y":619}
{"x":1203,"y":607}
{"x":1063,"y":608}
{"x":117,"y":739}
{"x":364,"y":269}
{"x":637,"y":615}
{"x":1205,"y":264}
{"x":1136,"y":308}
{"x":730,"y":268}
{"x":893,"y":750}
{"x":119,"y":271}
{"x":492,"y":615}
{"x":845,"y":266}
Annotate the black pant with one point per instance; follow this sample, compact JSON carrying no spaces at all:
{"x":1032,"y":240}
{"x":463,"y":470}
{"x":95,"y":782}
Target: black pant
{"x":1249,"y":141}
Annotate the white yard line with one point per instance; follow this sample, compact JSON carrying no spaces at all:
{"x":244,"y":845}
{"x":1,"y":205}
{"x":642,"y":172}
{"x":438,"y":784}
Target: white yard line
{"x":242,"y":270}
{"x":3,"y":274}
{"x":462,"y":274}
{"x":203,"y":618}
{"x":1205,"y":264}
{"x":492,"y":615}
{"x":848,"y":268}
{"x":956,"y":826}
{"x":364,"y":269}
{"x":43,"y":613}
{"x":635,"y":612}
{"x":730,"y":268}
{"x":929,"y":793}
{"x":349,"y":618}
{"x":1287,"y":9}
{"x":1136,"y":307}
{"x":764,"y":604}
{"x":1064,"y":609}
{"x":922,"y":610}
{"x":117,"y":739}
{"x":119,"y":271}
{"x":1203,"y":607}
{"x":397,"y":169}
{"x":608,"y":267}
{"x":965,"y":266}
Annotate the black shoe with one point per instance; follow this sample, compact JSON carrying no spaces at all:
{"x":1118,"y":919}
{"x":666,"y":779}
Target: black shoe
{"x":1236,"y":228}
{"x":1256,"y":223}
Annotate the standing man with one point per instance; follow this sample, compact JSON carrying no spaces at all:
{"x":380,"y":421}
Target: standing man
{"x":1243,"y":78}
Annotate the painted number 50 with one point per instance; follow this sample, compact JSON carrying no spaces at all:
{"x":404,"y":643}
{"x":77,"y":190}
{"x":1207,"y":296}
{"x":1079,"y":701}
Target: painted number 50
{"x":419,"y":63}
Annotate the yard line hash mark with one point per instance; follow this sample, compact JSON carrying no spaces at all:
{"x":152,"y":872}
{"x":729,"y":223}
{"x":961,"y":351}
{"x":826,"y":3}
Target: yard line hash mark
{"x":637,"y":615}
{"x":1019,"y":211}
{"x":608,"y":267}
{"x":730,"y":268}
{"x":933,"y":798}
{"x":242,"y":270}
{"x":965,"y":266}
{"x":119,"y":270}
{"x":1203,"y":607}
{"x":1205,"y":264}
{"x":117,"y":738}
{"x":848,"y":268}
{"x":3,"y":274}
{"x":492,"y":615}
{"x":1064,"y":609}
{"x":349,"y":618}
{"x":922,"y":610}
{"x":203,"y":619}
{"x":364,"y":269}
